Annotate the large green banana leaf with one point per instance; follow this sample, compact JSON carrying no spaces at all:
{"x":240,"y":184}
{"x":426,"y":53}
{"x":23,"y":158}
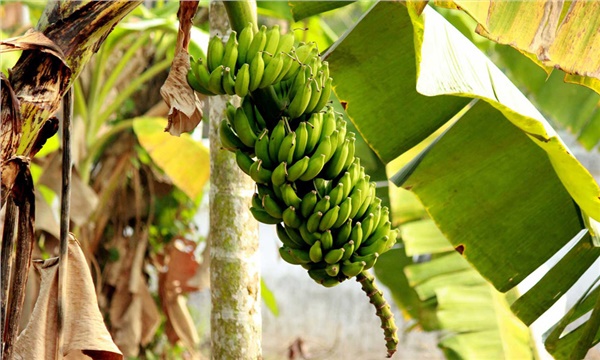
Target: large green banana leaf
{"x":446,"y":293}
{"x":498,"y":182}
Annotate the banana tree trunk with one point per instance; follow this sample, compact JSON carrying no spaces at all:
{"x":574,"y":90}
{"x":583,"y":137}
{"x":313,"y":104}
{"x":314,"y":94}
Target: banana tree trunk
{"x":234,"y":261}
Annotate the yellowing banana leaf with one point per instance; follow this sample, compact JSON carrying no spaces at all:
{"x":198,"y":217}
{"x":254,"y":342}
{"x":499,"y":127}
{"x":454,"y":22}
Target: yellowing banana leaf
{"x":575,"y":107}
{"x":183,"y":159}
{"x":563,"y":35}
{"x":498,"y":182}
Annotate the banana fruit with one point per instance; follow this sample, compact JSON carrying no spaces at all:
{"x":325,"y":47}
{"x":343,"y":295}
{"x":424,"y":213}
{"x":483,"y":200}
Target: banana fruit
{"x":297,"y":149}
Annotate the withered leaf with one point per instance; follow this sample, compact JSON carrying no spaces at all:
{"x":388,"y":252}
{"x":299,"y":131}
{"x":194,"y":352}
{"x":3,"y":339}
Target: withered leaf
{"x":10,"y":128}
{"x":185,"y":109}
{"x":84,"y":329}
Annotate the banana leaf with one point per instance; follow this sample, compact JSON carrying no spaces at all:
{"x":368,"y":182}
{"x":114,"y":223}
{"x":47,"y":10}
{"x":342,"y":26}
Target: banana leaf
{"x":498,"y":181}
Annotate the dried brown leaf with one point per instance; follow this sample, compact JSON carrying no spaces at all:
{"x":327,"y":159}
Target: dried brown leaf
{"x":44,"y":217}
{"x":185,"y":109}
{"x":10,"y":128}
{"x":179,"y":266}
{"x":138,"y":323}
{"x":84,"y":329}
{"x":33,"y":40}
{"x":83,"y":199}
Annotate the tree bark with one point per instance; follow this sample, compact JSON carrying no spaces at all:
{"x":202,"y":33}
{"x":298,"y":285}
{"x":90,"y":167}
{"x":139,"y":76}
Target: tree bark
{"x":234,"y":261}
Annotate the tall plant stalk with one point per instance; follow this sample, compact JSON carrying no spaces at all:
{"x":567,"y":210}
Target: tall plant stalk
{"x":235,"y":279}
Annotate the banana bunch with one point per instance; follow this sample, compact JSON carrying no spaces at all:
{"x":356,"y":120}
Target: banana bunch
{"x":294,"y":79}
{"x":297,"y":149}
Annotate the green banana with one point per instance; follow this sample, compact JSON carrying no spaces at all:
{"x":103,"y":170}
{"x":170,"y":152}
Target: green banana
{"x":294,"y":234}
{"x":327,"y":240}
{"x":272,"y":71}
{"x":307,"y":236}
{"x":351,"y":269}
{"x":329,"y":218}
{"x":334,"y":255}
{"x":287,"y":62}
{"x":257,"y":70}
{"x":286,"y":239}
{"x":306,"y":51}
{"x":195,"y":83}
{"x":272,"y":207}
{"x":343,"y":234}
{"x":229,"y":140}
{"x":287,"y":147}
{"x":301,"y":141}
{"x":315,"y":95}
{"x":348,"y":250}
{"x":357,"y":234}
{"x":380,"y":232}
{"x":368,"y":223}
{"x":337,"y":194}
{"x":332,"y":269}
{"x":242,"y":81}
{"x":244,"y":161}
{"x":300,"y":101}
{"x":309,"y":201}
{"x":245,"y":39}
{"x":257,"y":201}
{"x":277,"y":136}
{"x":325,"y":94}
{"x":230,"y":56}
{"x":298,"y":169}
{"x":315,"y":165}
{"x":261,"y":148}
{"x":316,"y":253}
{"x":263,"y":217}
{"x":324,"y":148}
{"x":377,"y":246}
{"x":272,"y":42}
{"x":312,"y":224}
{"x":290,"y":198}
{"x":344,"y":213}
{"x":259,"y":173}
{"x":279,"y":174}
{"x":301,"y":255}
{"x":323,"y":205}
{"x":315,"y":125}
{"x":242,"y":127}
{"x":365,"y":205}
{"x":329,"y":124}
{"x":257,"y":45}
{"x":369,"y":259}
{"x":286,"y":43}
{"x":215,"y":81}
{"x":346,"y":182}
{"x":288,"y":257}
{"x":291,"y":218}
{"x":335,"y":166}
{"x":216,"y":49}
